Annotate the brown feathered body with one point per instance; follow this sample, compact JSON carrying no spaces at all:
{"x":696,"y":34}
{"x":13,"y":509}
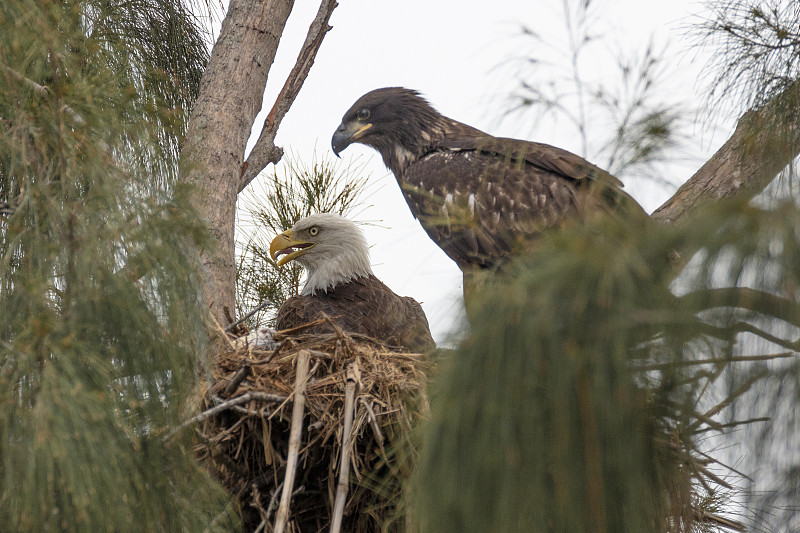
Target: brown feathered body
{"x":480,"y":198}
{"x":342,"y":287}
{"x":364,"y":305}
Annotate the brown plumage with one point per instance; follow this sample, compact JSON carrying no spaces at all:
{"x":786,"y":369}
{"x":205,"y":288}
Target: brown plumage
{"x":342,"y":286}
{"x":364,"y":305}
{"x":480,"y":198}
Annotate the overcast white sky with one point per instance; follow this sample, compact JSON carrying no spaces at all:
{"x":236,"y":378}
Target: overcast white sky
{"x":457,"y":54}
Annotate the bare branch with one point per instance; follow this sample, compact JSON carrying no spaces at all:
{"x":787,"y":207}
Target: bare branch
{"x":44,"y":91}
{"x":745,"y":298}
{"x":294,"y":440}
{"x":265,"y":152}
{"x":714,"y":361}
{"x":248,"y":315}
{"x":208,"y":413}
{"x":41,"y":89}
{"x":766,"y":140}
{"x":347,"y":440}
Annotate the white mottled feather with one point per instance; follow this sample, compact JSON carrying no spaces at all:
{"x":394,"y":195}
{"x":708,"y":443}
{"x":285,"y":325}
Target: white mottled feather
{"x":403,"y":155}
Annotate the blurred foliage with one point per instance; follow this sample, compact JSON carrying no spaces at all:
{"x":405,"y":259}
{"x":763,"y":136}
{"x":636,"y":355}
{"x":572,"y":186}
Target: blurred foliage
{"x":611,"y":98}
{"x":100,"y":335}
{"x":295,"y":191}
{"x":606,"y":387}
{"x":593,"y":379}
{"x":162,"y":46}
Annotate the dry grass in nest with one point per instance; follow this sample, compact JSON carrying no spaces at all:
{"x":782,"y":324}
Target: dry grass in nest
{"x":248,"y":426}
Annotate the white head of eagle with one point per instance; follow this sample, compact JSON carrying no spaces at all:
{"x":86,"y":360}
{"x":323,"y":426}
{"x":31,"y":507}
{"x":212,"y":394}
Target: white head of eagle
{"x":332,"y":249}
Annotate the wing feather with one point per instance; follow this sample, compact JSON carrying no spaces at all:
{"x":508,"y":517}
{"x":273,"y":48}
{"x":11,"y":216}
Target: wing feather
{"x":365,"y":306}
{"x":500,"y":193}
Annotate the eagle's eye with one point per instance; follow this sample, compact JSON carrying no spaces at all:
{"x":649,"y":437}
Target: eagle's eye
{"x":313,"y":230}
{"x":363,"y":113}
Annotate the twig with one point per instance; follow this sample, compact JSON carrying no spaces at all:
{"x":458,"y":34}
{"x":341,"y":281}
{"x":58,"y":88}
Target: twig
{"x":373,"y":422}
{"x":254,"y":395}
{"x":271,"y":356}
{"x":265,"y":151}
{"x":305,"y":380}
{"x":735,"y":423}
{"x":320,"y":355}
{"x":715,"y":360}
{"x":294,"y":439}
{"x":292,"y":331}
{"x":744,"y":387}
{"x":37,"y":88}
{"x":260,"y":508}
{"x":339,"y":331}
{"x":273,"y":501}
{"x":705,"y":516}
{"x":248,"y":315}
{"x":45,"y":90}
{"x":208,"y":413}
{"x":745,"y":298}
{"x":713,"y":477}
{"x":344,"y":466}
{"x":215,"y":524}
{"x":237,"y":379}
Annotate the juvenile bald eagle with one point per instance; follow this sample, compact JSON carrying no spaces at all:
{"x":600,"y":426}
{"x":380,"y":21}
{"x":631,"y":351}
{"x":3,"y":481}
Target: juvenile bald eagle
{"x":341,"y":284}
{"x":480,"y":198}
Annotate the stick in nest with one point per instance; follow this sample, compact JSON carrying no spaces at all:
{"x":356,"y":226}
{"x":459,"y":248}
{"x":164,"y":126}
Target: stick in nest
{"x":344,"y":467}
{"x":294,"y":439}
{"x":373,"y":422}
{"x":230,"y":404}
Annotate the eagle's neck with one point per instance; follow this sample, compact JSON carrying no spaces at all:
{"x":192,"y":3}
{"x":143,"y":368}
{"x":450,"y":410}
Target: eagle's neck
{"x":325,"y":273}
{"x":417,"y":136}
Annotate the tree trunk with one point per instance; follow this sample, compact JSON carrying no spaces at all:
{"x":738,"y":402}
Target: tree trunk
{"x":231,"y":93}
{"x":230,"y":97}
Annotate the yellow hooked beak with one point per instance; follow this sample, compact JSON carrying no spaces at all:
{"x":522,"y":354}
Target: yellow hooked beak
{"x":285,"y":243}
{"x":346,"y":135}
{"x":360,"y":132}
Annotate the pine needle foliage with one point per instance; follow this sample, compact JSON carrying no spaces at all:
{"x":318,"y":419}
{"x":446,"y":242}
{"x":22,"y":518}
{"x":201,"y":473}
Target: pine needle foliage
{"x":756,"y":46}
{"x":593,"y":377}
{"x":100,"y":327}
{"x":163,"y":46}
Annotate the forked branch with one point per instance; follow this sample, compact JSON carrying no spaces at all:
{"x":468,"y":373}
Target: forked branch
{"x":264,"y":151}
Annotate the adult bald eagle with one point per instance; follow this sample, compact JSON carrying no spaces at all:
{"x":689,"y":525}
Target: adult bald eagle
{"x":341,"y":285}
{"x":480,"y":198}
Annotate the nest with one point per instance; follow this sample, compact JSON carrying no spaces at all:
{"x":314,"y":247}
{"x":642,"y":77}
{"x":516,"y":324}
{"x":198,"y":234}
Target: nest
{"x":314,"y":435}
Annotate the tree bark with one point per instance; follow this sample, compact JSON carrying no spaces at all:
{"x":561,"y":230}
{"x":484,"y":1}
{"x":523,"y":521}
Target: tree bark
{"x":231,"y":94}
{"x":765,"y":141}
{"x":264,"y":151}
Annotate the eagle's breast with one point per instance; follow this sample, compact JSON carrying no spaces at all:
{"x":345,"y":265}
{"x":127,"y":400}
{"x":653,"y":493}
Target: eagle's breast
{"x":365,"y":306}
